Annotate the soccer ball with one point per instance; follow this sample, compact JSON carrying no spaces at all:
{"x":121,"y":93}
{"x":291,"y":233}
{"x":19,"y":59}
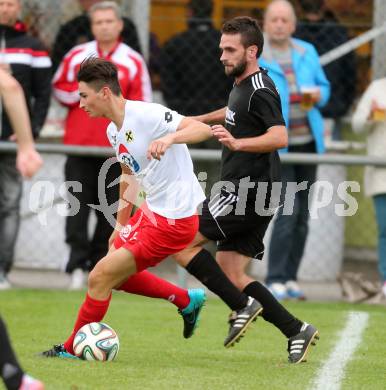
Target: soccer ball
{"x":96,"y":341}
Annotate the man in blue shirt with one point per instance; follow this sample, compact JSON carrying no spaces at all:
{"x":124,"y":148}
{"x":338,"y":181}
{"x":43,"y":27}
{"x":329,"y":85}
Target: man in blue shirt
{"x":294,"y":66}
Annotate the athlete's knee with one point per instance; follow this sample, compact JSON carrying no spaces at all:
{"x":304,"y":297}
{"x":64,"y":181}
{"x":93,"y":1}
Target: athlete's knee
{"x":235,"y":276}
{"x":98,"y":277}
{"x":184,"y":257}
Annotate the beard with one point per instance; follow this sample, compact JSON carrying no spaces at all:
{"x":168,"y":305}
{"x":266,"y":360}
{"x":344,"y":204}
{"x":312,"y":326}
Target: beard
{"x":237,"y":70}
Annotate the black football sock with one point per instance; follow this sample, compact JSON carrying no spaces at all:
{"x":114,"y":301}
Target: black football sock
{"x":273,"y":311}
{"x":205,"y":268}
{"x":10,"y":369}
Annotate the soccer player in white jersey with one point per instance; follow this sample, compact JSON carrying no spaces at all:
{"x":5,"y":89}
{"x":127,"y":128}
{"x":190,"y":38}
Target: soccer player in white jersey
{"x":150,"y":143}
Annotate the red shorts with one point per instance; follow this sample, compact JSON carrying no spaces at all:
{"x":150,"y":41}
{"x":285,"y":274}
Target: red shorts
{"x":151,"y":238}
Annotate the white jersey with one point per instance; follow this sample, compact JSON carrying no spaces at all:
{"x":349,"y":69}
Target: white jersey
{"x":172,"y":189}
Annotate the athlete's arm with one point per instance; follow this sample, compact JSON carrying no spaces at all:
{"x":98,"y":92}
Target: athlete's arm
{"x":189,"y":131}
{"x":265,"y":109}
{"x":275,"y":138}
{"x":28,"y":160}
{"x":213,"y":117}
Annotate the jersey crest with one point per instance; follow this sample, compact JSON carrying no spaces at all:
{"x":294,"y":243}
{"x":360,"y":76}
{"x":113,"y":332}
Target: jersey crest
{"x":129,"y":135}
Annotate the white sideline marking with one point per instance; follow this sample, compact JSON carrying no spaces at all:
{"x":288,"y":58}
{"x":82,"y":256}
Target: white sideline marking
{"x":331,"y":374}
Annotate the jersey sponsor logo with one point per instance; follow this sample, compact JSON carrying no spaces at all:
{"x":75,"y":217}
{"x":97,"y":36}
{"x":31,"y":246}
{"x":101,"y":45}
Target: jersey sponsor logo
{"x":128,"y":159}
{"x":168,"y":116}
{"x":230,"y":117}
{"x":129,"y":136}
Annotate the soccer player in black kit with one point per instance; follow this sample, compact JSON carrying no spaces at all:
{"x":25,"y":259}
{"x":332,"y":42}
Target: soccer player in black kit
{"x":237,"y":214}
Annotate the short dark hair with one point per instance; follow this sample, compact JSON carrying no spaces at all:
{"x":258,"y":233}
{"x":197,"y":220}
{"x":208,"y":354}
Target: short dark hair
{"x":98,"y":72}
{"x":201,"y":8}
{"x":249,"y":30}
{"x":312,"y":6}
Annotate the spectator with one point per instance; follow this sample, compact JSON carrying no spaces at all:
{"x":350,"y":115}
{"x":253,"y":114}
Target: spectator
{"x":293,"y":65}
{"x":24,"y":57}
{"x":80,"y":129}
{"x":323,"y":30}
{"x":192,"y":79}
{"x":370,"y":116}
{"x":78,"y":30}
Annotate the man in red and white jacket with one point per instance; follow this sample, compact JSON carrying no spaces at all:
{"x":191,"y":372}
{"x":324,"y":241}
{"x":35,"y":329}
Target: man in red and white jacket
{"x":80,"y":129}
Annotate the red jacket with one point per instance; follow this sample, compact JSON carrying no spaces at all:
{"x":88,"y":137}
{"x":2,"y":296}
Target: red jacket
{"x":134,"y":79}
{"x":31,"y":66}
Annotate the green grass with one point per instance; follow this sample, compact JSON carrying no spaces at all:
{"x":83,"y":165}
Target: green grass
{"x":369,"y":364}
{"x":154,"y":355}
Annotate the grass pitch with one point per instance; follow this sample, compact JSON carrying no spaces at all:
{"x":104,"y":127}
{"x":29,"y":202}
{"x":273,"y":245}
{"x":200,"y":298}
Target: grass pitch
{"x":154,"y":355}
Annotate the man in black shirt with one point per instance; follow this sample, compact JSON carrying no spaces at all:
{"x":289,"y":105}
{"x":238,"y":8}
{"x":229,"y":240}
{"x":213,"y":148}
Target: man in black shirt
{"x":238,"y":212}
{"x":184,"y":88}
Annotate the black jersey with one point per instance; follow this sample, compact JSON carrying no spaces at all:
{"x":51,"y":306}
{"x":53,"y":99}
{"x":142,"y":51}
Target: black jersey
{"x":253,"y":107}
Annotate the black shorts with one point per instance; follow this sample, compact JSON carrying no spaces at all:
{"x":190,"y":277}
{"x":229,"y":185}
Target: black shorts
{"x":234,"y":224}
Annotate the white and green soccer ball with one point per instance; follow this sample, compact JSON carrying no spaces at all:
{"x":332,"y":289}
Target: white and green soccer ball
{"x":96,"y":341}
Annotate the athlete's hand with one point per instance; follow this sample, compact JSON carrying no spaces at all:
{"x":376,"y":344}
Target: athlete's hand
{"x":225,"y":137}
{"x":158,"y":147}
{"x":28,"y":161}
